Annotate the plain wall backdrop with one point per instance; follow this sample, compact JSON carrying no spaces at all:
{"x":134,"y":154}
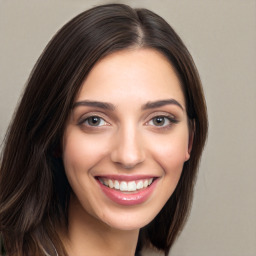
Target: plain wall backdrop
{"x":221,"y":36}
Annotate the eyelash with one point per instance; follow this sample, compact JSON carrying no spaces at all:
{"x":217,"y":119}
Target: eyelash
{"x":171,"y":120}
{"x":84,"y":121}
{"x":167,"y":118}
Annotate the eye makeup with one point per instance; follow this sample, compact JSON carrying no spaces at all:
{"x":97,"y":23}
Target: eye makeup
{"x":161,"y":120}
{"x":93,"y":120}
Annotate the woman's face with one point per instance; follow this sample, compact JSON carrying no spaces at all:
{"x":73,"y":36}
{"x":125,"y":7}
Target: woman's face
{"x":127,"y":139}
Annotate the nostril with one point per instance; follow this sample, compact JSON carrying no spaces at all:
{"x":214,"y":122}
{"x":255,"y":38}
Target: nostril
{"x":128,"y":150}
{"x":127,"y":158}
{"x":128,"y":167}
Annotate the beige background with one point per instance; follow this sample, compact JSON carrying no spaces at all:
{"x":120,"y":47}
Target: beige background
{"x":221,"y":36}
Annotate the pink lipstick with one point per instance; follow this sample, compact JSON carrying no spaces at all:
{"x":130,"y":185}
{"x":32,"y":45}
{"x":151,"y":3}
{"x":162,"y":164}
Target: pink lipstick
{"x":127,"y":190}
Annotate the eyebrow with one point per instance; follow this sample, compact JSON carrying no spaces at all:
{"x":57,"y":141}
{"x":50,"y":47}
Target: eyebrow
{"x":97,"y":104}
{"x":111,"y":107}
{"x":161,"y":103}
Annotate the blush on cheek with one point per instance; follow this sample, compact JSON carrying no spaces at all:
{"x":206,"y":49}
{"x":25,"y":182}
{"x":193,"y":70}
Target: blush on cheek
{"x":171,"y":155}
{"x":79,"y":149}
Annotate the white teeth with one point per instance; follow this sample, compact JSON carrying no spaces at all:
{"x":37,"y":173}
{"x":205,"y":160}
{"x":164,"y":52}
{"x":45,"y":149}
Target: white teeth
{"x":123,"y":186}
{"x":116,"y":184}
{"x":130,"y":186}
{"x":105,"y":182}
{"x":110,"y":183}
{"x":145,"y":184}
{"x":139,"y":185}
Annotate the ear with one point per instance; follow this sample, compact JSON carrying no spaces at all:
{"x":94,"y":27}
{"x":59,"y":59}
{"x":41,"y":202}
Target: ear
{"x":190,"y":139}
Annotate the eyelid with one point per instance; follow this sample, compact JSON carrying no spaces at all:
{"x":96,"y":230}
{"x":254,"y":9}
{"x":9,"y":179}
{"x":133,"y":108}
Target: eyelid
{"x":171,"y":118}
{"x":163,"y":114}
{"x":84,"y":117}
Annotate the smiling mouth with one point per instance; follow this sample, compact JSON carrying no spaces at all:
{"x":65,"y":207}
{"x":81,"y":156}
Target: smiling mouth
{"x":126,"y":186}
{"x":127,"y":190}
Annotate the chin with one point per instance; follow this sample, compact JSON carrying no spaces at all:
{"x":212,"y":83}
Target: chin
{"x":133,"y":218}
{"x":128,"y":225}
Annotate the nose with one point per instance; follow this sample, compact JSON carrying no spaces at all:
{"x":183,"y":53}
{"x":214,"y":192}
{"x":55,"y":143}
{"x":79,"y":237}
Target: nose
{"x":128,"y":151}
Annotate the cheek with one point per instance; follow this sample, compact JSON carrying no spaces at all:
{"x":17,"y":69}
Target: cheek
{"x":171,"y":158}
{"x":171,"y":153}
{"x":81,"y":152}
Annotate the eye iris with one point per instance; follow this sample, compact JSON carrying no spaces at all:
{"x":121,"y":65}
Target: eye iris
{"x":159,"y":121}
{"x":94,"y":120}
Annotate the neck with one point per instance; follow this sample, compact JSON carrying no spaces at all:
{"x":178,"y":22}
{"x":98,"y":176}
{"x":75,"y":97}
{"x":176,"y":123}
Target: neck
{"x":87,"y":233}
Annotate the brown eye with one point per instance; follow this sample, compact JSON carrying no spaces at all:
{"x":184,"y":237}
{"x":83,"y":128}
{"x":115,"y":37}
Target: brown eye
{"x":94,"y":121}
{"x":162,"y":121}
{"x":159,"y":120}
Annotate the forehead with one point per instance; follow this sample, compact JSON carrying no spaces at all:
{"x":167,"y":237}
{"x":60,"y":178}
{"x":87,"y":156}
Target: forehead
{"x":132,"y":74}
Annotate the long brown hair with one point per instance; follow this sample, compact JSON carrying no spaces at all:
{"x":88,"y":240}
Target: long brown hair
{"x":34,"y":192}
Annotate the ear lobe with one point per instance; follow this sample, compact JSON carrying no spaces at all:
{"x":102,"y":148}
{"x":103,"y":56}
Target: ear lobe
{"x":190,"y":139}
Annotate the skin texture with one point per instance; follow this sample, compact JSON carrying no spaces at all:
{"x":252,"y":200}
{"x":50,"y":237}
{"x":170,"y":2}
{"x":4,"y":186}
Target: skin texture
{"x":126,"y":141}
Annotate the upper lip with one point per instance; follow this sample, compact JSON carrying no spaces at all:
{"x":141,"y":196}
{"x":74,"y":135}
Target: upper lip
{"x":126,"y":177}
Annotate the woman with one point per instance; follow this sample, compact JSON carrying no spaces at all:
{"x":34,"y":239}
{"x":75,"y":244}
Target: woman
{"x":102,"y":153}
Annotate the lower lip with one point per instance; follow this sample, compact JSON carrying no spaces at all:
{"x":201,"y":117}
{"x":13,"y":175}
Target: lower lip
{"x":128,"y":199}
